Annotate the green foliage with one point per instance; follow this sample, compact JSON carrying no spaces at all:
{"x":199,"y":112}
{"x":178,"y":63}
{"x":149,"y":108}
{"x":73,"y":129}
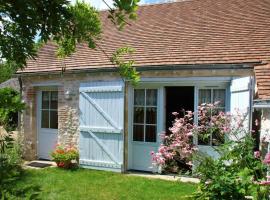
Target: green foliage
{"x":11,"y":171}
{"x":10,"y":105}
{"x":231,"y":176}
{"x":85,"y":26}
{"x":10,"y":159}
{"x":22,"y":21}
{"x":125,"y":8}
{"x":6,"y":72}
{"x":126,"y":68}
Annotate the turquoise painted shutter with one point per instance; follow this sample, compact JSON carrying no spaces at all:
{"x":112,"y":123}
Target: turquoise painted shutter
{"x":101,"y":125}
{"x":240,"y":97}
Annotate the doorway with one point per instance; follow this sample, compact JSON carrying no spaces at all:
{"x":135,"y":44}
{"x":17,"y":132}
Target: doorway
{"x":178,"y":99}
{"x":47,"y":122}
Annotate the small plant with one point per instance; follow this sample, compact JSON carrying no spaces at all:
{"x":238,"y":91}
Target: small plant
{"x":65,"y":157}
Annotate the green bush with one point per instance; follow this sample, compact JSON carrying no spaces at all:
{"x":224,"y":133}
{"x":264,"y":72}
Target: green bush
{"x":10,"y":105}
{"x":233,"y":175}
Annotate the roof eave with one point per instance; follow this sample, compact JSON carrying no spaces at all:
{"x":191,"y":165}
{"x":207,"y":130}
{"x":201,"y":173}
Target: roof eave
{"x":247,"y":65}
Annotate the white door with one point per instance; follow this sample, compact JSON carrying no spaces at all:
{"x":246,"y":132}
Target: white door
{"x":144,"y":137}
{"x":212,"y":94}
{"x":47,"y":122}
{"x":241,"y":97}
{"x":101,"y":125}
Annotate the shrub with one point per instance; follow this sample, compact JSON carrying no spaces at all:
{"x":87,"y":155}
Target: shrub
{"x":234,"y":175}
{"x":177,"y":148}
{"x":10,"y":105}
{"x":65,"y":157}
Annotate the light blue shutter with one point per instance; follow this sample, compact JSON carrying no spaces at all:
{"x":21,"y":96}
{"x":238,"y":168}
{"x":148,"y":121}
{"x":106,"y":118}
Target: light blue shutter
{"x":101,"y":125}
{"x":240,"y":97}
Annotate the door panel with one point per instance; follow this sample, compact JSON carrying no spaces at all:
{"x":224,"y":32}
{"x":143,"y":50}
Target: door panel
{"x":240,"y":97}
{"x":47,"y":122}
{"x":101,"y":125}
{"x":144,"y":138}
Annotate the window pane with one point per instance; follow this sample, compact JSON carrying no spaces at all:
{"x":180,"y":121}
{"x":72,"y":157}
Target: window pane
{"x":138,"y":133}
{"x":204,"y":96}
{"x":53,"y":120}
{"x":139,"y":96}
{"x":54,"y":100}
{"x":139,"y":115}
{"x":45,"y":119}
{"x":219,"y":95}
{"x":150,"y":134}
{"x":151,"y":115}
{"x":45,"y":100}
{"x":151,"y":97}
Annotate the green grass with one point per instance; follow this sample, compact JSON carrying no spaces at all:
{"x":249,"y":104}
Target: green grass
{"x":80,"y":184}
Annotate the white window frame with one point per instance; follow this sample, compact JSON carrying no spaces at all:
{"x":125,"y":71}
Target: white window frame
{"x":48,"y":109}
{"x":144,"y":124}
{"x":196,"y":103}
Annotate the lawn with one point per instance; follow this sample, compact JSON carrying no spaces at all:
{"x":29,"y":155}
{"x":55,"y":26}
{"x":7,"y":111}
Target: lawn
{"x":54,"y":183}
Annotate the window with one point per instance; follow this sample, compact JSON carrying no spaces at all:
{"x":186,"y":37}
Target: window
{"x":145,"y":115}
{"x":211,"y":95}
{"x":49,"y":106}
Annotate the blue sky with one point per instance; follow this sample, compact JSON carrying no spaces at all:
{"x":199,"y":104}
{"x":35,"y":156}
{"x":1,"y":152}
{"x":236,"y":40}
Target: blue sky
{"x":100,"y":5}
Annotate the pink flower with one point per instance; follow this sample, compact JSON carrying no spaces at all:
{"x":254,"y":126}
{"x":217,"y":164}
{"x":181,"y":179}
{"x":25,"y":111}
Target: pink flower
{"x":175,"y":113}
{"x":267,"y":159}
{"x":257,"y":154}
{"x":264,"y":183}
{"x":189,"y":134}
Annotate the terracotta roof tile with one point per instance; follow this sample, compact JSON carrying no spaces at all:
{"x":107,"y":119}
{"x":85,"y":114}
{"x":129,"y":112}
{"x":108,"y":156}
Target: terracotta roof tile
{"x":186,"y":32}
{"x":262,"y":74}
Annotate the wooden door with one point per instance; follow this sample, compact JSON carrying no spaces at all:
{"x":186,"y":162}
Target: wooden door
{"x":101,"y":125}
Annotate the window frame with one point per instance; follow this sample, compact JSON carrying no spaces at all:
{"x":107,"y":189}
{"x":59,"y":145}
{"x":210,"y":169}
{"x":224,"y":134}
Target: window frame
{"x":49,"y":109}
{"x":145,"y":124}
{"x":226,"y":107}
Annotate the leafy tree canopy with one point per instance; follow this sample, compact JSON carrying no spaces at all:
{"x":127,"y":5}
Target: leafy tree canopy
{"x":21,"y":21}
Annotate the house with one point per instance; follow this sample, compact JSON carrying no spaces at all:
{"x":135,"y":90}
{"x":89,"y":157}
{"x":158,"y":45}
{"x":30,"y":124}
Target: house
{"x":187,"y":52}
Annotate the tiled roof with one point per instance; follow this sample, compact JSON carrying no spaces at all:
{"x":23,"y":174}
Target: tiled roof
{"x":262,"y":74}
{"x":186,"y":32}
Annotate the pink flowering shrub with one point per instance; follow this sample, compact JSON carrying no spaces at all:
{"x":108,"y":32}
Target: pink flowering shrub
{"x":177,"y":148}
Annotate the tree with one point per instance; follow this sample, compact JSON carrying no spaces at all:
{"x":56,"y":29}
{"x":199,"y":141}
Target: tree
{"x":21,"y":21}
{"x":6,"y":72}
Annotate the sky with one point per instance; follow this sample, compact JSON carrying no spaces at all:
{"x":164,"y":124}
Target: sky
{"x":100,"y":5}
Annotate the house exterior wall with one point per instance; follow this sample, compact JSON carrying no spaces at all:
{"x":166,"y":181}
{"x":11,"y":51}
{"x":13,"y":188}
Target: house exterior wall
{"x":68,"y":110}
{"x":265,"y":123}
